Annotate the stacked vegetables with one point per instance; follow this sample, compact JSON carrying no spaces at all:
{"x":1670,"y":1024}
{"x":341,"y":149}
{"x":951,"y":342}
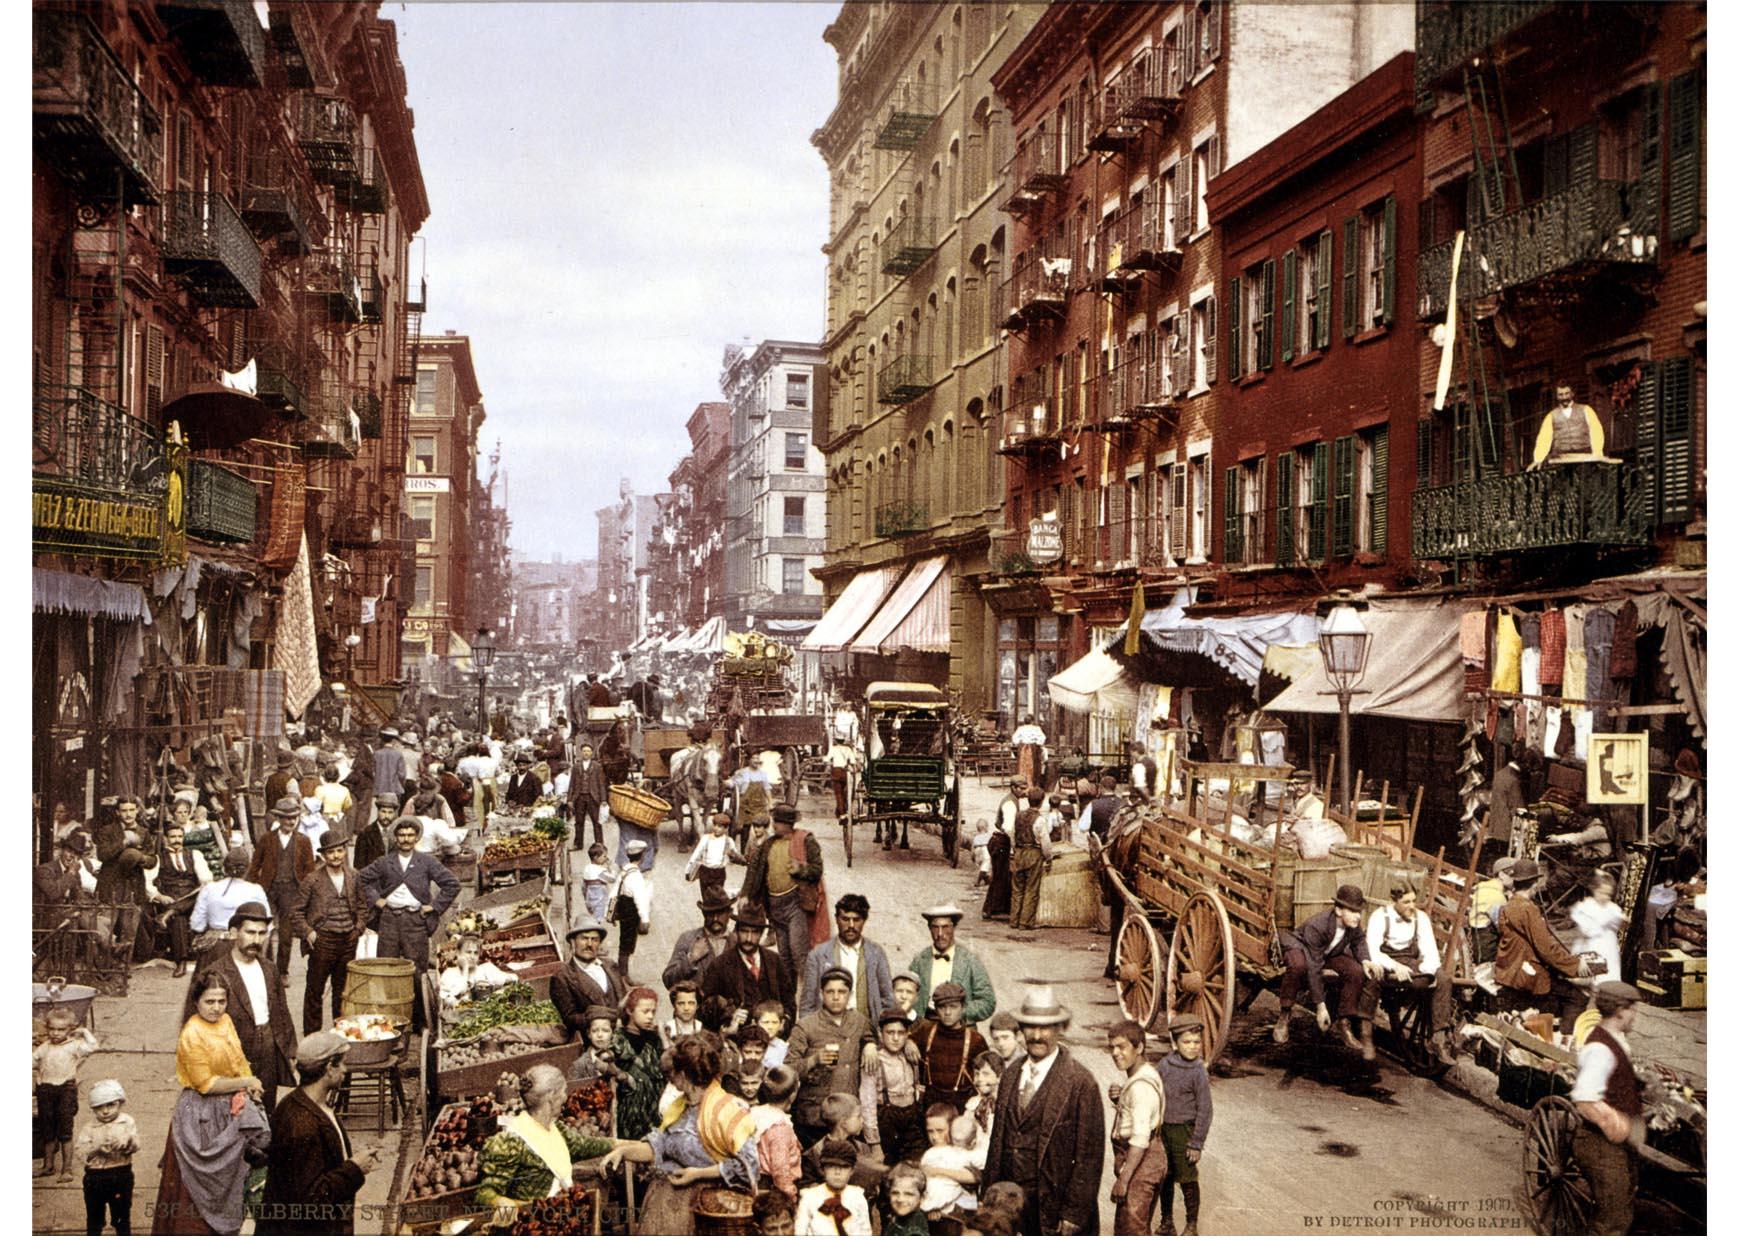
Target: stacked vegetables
{"x":452,"y":1155}
{"x":471,"y":1039}
{"x":529,"y":844}
{"x":574,"y":1212}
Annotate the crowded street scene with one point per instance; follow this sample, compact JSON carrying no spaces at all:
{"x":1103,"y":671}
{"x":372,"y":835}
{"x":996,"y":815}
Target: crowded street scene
{"x":1017,"y":728}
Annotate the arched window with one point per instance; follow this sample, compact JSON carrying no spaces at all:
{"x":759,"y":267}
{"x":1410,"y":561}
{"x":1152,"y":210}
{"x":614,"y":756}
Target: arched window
{"x":970,"y":477}
{"x":947,"y":502}
{"x":911,"y":472}
{"x":932,"y":466}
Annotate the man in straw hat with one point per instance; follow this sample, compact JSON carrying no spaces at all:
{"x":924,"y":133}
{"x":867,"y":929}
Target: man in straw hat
{"x":587,"y":981}
{"x":1049,"y":1135}
{"x":750,"y":973}
{"x":1332,"y":940}
{"x":329,"y":918}
{"x":945,"y":961}
{"x":1608,"y":1096}
{"x":699,"y":946}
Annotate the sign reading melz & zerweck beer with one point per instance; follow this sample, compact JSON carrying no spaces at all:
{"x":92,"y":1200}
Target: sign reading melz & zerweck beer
{"x":121,"y":526}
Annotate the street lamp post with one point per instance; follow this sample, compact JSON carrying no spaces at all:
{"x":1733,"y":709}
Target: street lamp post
{"x":484,"y":653}
{"x":1344,"y":643}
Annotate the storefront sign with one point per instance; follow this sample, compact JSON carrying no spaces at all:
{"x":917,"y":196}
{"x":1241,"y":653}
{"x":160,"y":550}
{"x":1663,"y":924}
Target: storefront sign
{"x":1045,"y":540}
{"x":425,"y":484}
{"x":1616,"y":768}
{"x":114,"y":525}
{"x":418,"y":624}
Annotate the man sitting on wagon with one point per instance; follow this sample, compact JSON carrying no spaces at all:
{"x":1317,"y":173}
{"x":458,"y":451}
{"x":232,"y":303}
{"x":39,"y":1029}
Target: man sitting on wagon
{"x":1401,"y":938}
{"x":1332,"y":940}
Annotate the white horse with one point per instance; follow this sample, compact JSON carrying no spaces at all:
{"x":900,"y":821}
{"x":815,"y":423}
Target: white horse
{"x":695,"y":787}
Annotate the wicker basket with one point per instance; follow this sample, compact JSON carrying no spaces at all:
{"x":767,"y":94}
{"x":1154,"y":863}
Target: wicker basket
{"x":636,"y":806}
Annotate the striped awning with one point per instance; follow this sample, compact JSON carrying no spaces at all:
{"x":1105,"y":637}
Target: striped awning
{"x":851,"y":610}
{"x":915,"y":616}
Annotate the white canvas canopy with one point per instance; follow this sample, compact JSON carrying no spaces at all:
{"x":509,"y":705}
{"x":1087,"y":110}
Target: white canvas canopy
{"x":1413,"y":669}
{"x":1094,"y":682}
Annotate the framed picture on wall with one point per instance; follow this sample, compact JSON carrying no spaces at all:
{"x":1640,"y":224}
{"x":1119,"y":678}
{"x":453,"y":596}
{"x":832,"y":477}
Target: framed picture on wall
{"x":1616,"y":768}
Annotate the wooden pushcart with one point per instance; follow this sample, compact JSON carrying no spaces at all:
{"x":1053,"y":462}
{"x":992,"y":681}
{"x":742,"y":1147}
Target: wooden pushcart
{"x":1202,"y":909}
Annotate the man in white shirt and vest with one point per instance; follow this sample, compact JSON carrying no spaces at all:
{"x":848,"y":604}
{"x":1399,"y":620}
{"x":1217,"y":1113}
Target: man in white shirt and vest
{"x":410,"y":890}
{"x":1608,"y":1096}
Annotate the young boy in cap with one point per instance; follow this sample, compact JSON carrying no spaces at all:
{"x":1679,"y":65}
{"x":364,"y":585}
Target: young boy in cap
{"x":711,"y":857}
{"x":889,"y":1092}
{"x":629,"y":903}
{"x":905,"y":991}
{"x":947,"y":1047}
{"x":1187,"y":1110}
{"x":106,"y":1148}
{"x":1137,"y":1153}
{"x":1608,"y":1096}
{"x":837,"y":1207}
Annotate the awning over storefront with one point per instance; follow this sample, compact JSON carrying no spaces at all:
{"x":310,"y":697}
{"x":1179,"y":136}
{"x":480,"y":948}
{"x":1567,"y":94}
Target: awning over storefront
{"x":1235,"y":644}
{"x":852,"y":609}
{"x":676,"y":644}
{"x":1094,"y":682}
{"x":71,"y":594}
{"x":1414,"y":670}
{"x":915,"y":617}
{"x":708,"y":637}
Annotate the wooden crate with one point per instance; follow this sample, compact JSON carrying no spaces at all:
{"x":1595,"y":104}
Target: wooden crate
{"x":479,"y":1078}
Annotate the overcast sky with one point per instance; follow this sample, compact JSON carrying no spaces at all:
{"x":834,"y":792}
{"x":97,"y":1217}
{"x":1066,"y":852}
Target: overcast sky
{"x":617,"y":191}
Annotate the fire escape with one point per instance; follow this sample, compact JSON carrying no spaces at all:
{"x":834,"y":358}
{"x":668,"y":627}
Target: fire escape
{"x":903,"y":122}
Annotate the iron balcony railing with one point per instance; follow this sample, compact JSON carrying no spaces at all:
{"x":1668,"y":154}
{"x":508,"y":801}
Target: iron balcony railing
{"x":1597,"y":504}
{"x":279,"y":377}
{"x":1030,"y":421}
{"x":206,"y":243}
{"x":1138,"y":239}
{"x":907,"y":114}
{"x":222,"y":40}
{"x":89,"y":119}
{"x":276,"y":206}
{"x":366,"y":192}
{"x":904,"y":379}
{"x":330,"y":279}
{"x":1009,"y":556}
{"x":328,"y":136}
{"x":1111,"y":127}
{"x":293,"y":42}
{"x":1149,"y":88}
{"x":903,"y":517}
{"x":1037,"y":170}
{"x":909,"y":246}
{"x":221,"y":504}
{"x":371,"y":298}
{"x":370,"y":410}
{"x":1450,"y":35}
{"x":1037,"y":288}
{"x":80,"y":438}
{"x":1592,"y":226}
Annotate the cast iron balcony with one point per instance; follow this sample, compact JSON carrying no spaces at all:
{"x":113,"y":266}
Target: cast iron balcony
{"x":906,"y":115}
{"x":1038,"y":289}
{"x":206,"y":243}
{"x":1036,"y":171}
{"x":279,"y":377}
{"x":293,"y":40}
{"x":908,"y":247}
{"x":357,"y":529}
{"x":1150,"y":86}
{"x":1140,"y":239}
{"x":896,"y":520}
{"x":370,"y":410}
{"x":371,"y":298}
{"x":1449,"y":35}
{"x":84,"y":440}
{"x":1112,"y":127}
{"x":222,"y":39}
{"x":89,"y":119}
{"x":333,"y":435}
{"x":1030,"y":421}
{"x":1110,"y":399}
{"x":904,"y":379}
{"x":1550,"y":248}
{"x":1150,"y":392}
{"x":328,"y":135}
{"x":221,"y":504}
{"x":1591,"y":504}
{"x":366,"y":192}
{"x":329,"y":278}
{"x":1009,"y":557}
{"x":275,"y":205}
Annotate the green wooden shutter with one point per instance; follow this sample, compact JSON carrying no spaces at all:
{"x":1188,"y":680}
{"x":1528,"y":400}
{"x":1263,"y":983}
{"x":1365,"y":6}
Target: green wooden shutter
{"x":1324,"y":292}
{"x":1290,"y":325}
{"x":1685,"y":141}
{"x":1343,"y":496}
{"x":1389,"y":281}
{"x":1232,"y":551}
{"x":1284,"y":509}
{"x":1377,"y":509}
{"x":1424,"y":454}
{"x":1316,"y":523}
{"x":1583,"y":154}
{"x":1647,"y":437}
{"x":1351,"y":274}
{"x":1676,"y":440}
{"x":1267,"y":310}
{"x":1233,"y":328}
{"x":1555,"y":164}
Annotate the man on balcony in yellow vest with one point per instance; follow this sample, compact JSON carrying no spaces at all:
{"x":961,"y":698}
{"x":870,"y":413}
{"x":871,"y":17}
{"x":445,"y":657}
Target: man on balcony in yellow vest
{"x":1570,"y":434}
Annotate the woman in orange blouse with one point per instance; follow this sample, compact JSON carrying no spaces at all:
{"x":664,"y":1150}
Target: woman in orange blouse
{"x":218,"y":1131}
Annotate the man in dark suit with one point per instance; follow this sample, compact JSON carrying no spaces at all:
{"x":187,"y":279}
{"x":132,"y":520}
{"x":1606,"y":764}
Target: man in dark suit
{"x":283,"y":860}
{"x":378,"y":838}
{"x":312,"y":1176}
{"x":1049,"y":1135}
{"x":56,"y":882}
{"x":699,"y":946}
{"x":587,"y":981}
{"x":1333,"y":940}
{"x":589,"y":792}
{"x":750,"y":973}
{"x":525,"y":785}
{"x":282,"y":782}
{"x":329,"y":917}
{"x":257,"y":1004}
{"x":410,"y":890}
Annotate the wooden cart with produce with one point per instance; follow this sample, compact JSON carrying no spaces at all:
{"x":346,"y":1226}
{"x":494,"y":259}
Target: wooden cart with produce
{"x":519,"y":848}
{"x":909,"y":773}
{"x":1203,"y":907}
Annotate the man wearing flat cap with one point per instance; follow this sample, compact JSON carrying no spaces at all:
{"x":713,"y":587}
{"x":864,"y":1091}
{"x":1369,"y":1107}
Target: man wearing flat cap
{"x":783,"y":878}
{"x":1608,"y":1096}
{"x":329,"y":918}
{"x":826,"y":1048}
{"x":1532,"y":968}
{"x":946,"y":961}
{"x":257,"y":1005}
{"x":410,"y":890}
{"x":587,"y":980}
{"x":750,"y":973}
{"x":283,"y":860}
{"x":699,"y":946}
{"x":312,"y":1176}
{"x":1049,"y":1135}
{"x":1333,"y":939}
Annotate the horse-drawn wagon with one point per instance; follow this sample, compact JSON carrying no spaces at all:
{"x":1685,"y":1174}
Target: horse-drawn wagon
{"x":908,"y":770}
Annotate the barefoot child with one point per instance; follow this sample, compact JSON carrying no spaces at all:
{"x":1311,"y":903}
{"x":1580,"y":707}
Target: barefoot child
{"x":54,"y":1069}
{"x":1137,"y":1153}
{"x":105,"y":1148}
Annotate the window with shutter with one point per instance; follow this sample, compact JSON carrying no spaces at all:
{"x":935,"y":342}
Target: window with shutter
{"x":1181,"y":523}
{"x":1318,"y":479}
{"x":1390,"y":225}
{"x":1351,"y":274}
{"x":1322,"y":338}
{"x":1424,"y":454}
{"x":1289,"y":308}
{"x":1379,"y":490}
{"x":1233,"y":328}
{"x":154,"y":370}
{"x":1232,"y":551}
{"x":1684,"y":206}
{"x":1217,"y":14}
{"x":184,"y":152}
{"x":1179,"y":340}
{"x":1647,"y":437}
{"x":1267,"y":309}
{"x":1343,"y":496}
{"x":1676,"y":440}
{"x":1285,"y":509}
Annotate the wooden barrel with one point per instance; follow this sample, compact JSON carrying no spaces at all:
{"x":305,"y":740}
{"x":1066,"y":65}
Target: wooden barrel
{"x":1389,"y":872}
{"x":1069,"y":894}
{"x":382,"y":984}
{"x":1316,"y":883}
{"x":1370,"y":859}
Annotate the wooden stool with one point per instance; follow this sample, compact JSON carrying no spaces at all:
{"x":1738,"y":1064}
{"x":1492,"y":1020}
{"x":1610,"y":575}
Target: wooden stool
{"x":368,"y":1090}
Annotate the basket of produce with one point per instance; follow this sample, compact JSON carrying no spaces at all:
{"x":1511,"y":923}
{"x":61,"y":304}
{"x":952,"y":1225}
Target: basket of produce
{"x":443,"y":1181}
{"x":575,"y":1212}
{"x":719,"y":1211}
{"x":510,"y":1031}
{"x":636,"y":806}
{"x":374,"y":1036}
{"x":526,"y":917}
{"x":527,"y":851}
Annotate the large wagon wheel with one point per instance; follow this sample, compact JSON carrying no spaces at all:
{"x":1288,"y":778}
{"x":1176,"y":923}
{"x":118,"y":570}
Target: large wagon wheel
{"x":1140,"y":976}
{"x":1200,"y":969}
{"x":1558,"y":1195}
{"x":1412,"y":1026}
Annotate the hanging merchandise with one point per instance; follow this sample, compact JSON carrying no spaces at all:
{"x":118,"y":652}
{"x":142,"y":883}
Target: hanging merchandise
{"x":1508,"y":648}
{"x":1622,"y":645}
{"x":1554,"y":646}
{"x":1600,"y":636}
{"x":1471,"y":763}
{"x":1473,"y":639}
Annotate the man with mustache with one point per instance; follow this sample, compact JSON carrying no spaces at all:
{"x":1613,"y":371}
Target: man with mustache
{"x":258,"y":1002}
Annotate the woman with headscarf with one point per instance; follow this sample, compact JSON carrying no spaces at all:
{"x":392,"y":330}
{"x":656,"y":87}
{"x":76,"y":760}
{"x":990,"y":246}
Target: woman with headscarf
{"x":531,"y":1155}
{"x":714,"y":1141}
{"x":217,"y":1132}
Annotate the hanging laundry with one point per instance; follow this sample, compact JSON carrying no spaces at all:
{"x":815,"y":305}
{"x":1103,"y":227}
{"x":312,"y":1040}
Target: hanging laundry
{"x":1473,"y":635}
{"x":1622,"y":644}
{"x":1554,"y":647}
{"x":1574,"y":669}
{"x":1508,"y":648}
{"x":1600,"y":633}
